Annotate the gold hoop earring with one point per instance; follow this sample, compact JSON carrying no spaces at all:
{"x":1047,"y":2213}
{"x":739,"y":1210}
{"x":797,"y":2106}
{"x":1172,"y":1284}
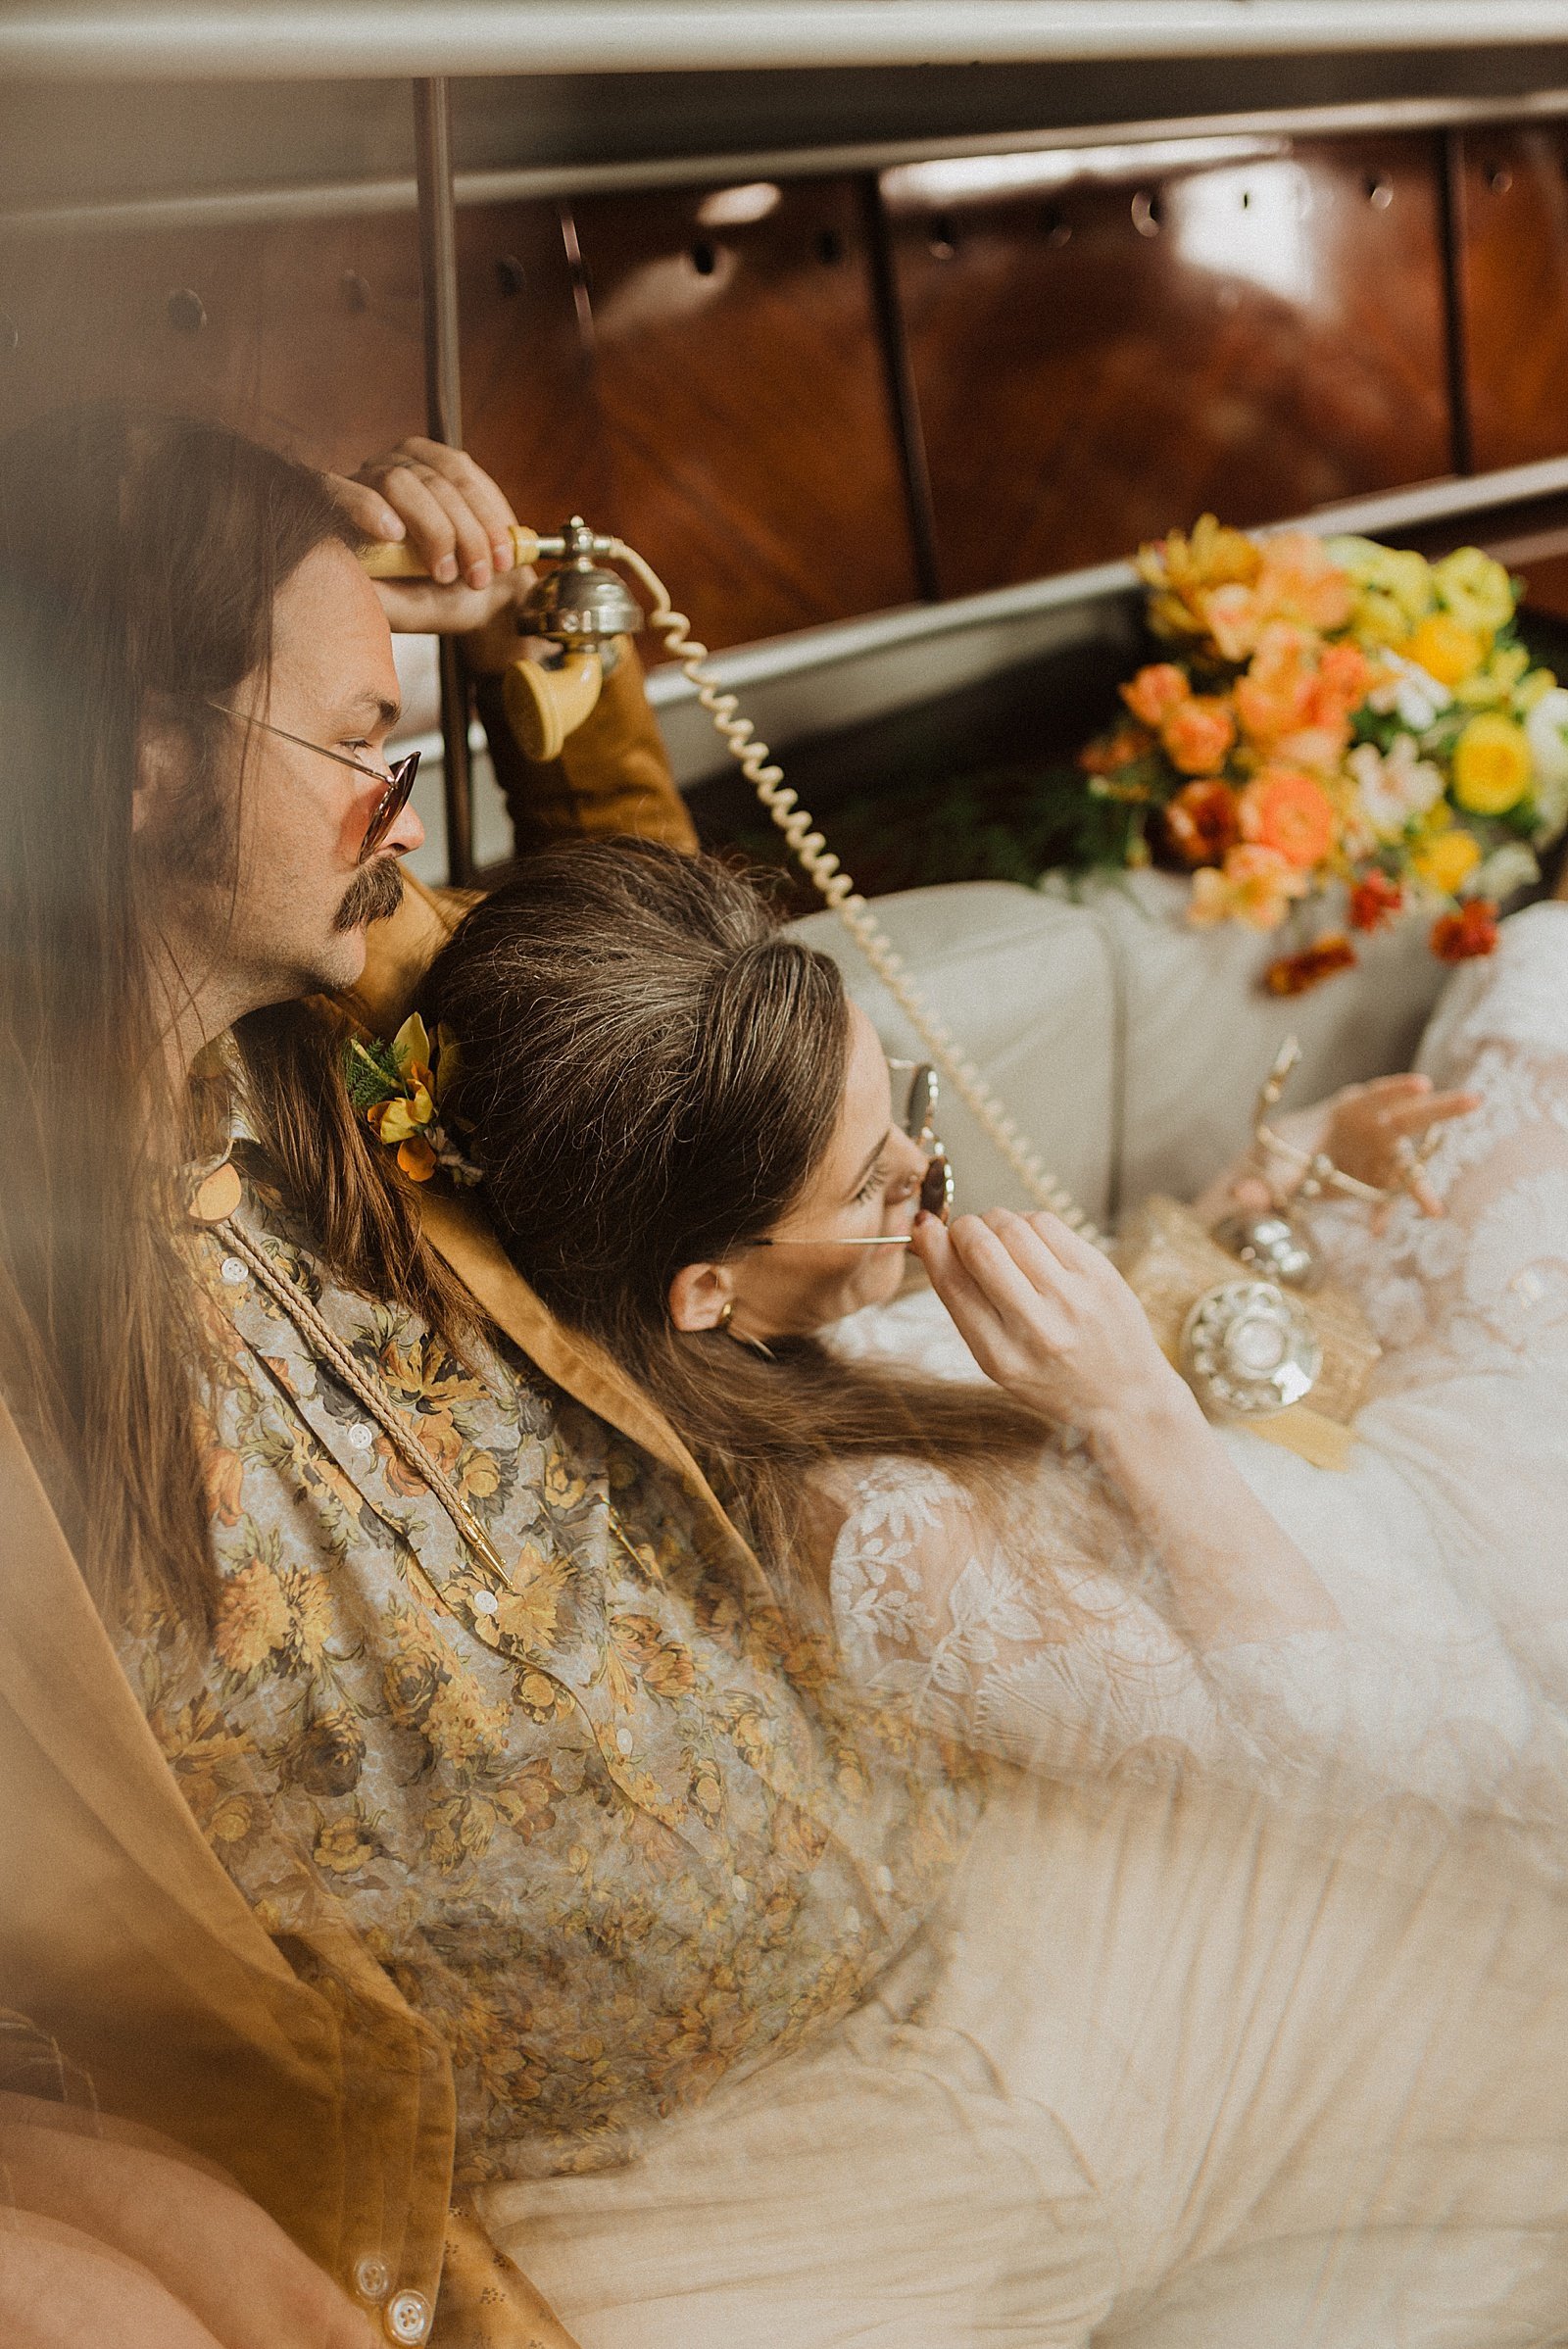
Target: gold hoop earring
{"x":727,"y":1315}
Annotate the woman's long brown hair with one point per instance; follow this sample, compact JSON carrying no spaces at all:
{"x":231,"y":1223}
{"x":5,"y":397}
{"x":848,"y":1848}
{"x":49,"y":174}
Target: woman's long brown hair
{"x":651,"y":1071}
{"x":139,"y":559}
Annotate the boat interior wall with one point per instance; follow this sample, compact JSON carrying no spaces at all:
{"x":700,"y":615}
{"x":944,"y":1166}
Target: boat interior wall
{"x":1250,"y":324}
{"x":809,"y":399}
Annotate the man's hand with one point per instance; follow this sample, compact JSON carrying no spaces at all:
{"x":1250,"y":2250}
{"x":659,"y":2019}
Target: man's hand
{"x":459,"y":523}
{"x":1051,"y":1319}
{"x":98,"y":2206}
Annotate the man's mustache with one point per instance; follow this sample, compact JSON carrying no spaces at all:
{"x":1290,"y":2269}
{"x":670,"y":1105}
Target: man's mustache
{"x":373,"y":895}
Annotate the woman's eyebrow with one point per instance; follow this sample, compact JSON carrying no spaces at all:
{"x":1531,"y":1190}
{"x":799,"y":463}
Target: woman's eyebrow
{"x":870,"y":1164}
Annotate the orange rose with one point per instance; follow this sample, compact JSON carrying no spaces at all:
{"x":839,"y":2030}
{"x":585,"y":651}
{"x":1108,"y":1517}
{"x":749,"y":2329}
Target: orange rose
{"x":1292,"y":813}
{"x":1197,"y":734}
{"x":1201,"y":821}
{"x":1156,"y":692}
{"x":1276,"y":693}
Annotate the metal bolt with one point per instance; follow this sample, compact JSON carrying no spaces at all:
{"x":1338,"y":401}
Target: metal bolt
{"x":186,"y":311}
{"x":510,"y":275}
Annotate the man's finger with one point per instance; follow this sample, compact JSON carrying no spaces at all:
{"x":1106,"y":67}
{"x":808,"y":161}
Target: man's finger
{"x":366,"y":508}
{"x":483,"y":497}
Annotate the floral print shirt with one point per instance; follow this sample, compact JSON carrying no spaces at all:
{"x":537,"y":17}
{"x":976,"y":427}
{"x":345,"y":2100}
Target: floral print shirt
{"x":613,"y":1826}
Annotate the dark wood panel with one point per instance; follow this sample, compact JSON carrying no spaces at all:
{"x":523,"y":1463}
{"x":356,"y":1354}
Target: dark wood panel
{"x":529,"y":398}
{"x":305,"y":334}
{"x":742,"y":396}
{"x":1512,"y":220}
{"x":1101,"y":349}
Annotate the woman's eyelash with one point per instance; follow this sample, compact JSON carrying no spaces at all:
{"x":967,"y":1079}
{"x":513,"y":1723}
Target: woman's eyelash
{"x":873,"y":1182}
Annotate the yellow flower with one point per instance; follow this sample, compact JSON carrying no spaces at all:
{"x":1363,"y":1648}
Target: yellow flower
{"x":410,"y":1045}
{"x":1475,"y":589}
{"x":1534,"y":688}
{"x":1493,"y":684}
{"x":1491,"y":765}
{"x":398,"y":1121}
{"x":462,"y":1726}
{"x":253,"y":1618}
{"x":343,"y":1846}
{"x":1445,"y":861}
{"x":1446,"y":649}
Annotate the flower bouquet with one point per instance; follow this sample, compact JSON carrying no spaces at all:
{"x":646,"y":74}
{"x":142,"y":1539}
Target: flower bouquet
{"x":1335,"y":709}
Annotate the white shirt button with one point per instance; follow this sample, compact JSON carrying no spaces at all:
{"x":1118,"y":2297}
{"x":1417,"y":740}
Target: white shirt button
{"x":884,"y":1880}
{"x":234,"y":1271}
{"x":485,"y":1602}
{"x":623,"y":1738}
{"x":406,"y":2319}
{"x":362,"y":1435}
{"x":372,"y":2280}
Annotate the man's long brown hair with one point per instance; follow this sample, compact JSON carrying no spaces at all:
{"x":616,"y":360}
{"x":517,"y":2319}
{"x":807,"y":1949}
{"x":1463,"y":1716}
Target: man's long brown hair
{"x":140,"y":560}
{"x":653,"y":1070}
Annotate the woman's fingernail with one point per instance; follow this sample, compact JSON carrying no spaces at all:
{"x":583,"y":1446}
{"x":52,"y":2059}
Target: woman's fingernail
{"x":478,"y":575}
{"x":922,"y":1219}
{"x":390,"y":524}
{"x":446,"y":570}
{"x":501,"y":549}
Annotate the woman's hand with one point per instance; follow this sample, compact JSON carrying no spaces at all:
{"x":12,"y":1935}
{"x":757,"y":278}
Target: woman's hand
{"x":457,"y":520}
{"x":1373,"y":1130}
{"x":1051,"y":1319}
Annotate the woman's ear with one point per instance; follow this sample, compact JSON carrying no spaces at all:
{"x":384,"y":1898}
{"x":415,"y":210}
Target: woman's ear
{"x":701,"y":1295}
{"x":161,"y":764}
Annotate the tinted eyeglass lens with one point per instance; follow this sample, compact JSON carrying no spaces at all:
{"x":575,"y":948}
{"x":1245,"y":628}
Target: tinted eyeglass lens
{"x":390,"y":806}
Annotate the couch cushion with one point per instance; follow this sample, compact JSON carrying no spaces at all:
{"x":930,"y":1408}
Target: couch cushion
{"x":1026,"y":986}
{"x":1197,"y":1033}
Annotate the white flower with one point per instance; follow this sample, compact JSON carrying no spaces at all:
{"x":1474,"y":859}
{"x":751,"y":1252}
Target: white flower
{"x":1497,"y":876}
{"x":1410,"y":691}
{"x":1546,"y":731}
{"x":1395,"y":785}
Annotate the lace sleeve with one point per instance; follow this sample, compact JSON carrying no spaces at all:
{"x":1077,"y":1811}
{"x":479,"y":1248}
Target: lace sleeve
{"x":1031,"y":1624}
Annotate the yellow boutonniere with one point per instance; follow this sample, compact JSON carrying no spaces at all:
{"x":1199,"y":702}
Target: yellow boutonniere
{"x":397,"y":1088}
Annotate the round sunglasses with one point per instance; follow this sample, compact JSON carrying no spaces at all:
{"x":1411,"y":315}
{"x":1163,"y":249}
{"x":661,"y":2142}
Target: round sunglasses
{"x":396,"y":780}
{"x":937,"y":1186}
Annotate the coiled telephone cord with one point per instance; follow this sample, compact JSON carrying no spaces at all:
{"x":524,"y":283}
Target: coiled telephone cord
{"x":822,"y":867}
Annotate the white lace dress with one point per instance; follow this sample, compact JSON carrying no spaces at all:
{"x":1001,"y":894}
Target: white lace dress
{"x":1034,"y":1623}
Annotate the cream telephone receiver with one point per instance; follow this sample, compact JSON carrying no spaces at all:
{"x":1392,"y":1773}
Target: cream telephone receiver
{"x":1230,"y":1308}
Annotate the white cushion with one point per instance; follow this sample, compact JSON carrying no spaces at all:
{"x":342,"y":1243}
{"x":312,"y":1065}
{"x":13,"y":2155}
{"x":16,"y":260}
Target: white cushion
{"x":1198,"y":1034}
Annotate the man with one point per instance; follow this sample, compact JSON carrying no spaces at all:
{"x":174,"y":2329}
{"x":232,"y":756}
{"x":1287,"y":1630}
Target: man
{"x":197,"y":688}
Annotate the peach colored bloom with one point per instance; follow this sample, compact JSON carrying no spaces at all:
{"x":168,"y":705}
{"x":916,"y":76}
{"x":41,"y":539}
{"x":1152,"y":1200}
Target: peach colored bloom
{"x":1197,"y":733}
{"x":1202,"y":821}
{"x":1156,"y":692}
{"x":1297,"y":698}
{"x":1255,"y":887}
{"x":1292,"y":813}
{"x":1296,"y":583}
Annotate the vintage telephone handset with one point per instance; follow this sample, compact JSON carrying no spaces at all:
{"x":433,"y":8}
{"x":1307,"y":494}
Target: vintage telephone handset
{"x":582,"y":607}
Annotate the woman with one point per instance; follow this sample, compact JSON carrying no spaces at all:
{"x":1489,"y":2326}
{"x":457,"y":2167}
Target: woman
{"x":1139,"y":1583}
{"x":1167,"y":2067}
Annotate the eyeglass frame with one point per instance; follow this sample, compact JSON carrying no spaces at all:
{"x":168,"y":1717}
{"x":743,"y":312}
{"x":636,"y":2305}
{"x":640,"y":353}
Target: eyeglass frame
{"x":936,"y":1180}
{"x":396,"y":780}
